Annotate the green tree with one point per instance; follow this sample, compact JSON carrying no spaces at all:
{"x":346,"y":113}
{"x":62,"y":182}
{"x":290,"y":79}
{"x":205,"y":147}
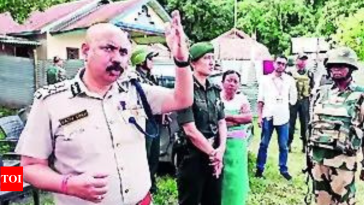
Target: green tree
{"x":204,"y":19}
{"x":276,"y":21}
{"x":350,"y":32}
{"x":332,"y":10}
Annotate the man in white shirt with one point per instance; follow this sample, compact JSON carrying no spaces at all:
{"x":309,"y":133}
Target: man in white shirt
{"x":276,"y":91}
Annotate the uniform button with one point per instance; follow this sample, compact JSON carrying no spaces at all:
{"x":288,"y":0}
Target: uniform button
{"x":121,"y":168}
{"x":118,"y":144}
{"x":126,"y":191}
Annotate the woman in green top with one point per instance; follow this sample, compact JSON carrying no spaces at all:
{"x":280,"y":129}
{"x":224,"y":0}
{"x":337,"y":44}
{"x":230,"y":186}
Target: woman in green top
{"x":235,"y":185}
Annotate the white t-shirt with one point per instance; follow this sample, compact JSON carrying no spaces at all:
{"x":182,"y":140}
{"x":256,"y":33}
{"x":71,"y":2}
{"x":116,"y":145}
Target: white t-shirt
{"x":233,"y":107}
{"x":277,"y":93}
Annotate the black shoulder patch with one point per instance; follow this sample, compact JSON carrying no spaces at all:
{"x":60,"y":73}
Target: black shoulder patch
{"x":49,"y":90}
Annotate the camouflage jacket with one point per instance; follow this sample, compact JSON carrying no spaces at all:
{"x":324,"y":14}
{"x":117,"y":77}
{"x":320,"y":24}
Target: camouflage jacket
{"x":336,"y":126}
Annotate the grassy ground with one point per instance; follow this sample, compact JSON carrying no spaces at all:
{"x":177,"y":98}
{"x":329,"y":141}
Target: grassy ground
{"x":272,"y":190}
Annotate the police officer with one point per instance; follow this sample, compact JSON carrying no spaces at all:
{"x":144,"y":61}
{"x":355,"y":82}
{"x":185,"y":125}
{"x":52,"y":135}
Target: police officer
{"x":336,"y":131}
{"x":142,"y":59}
{"x":304,"y":83}
{"x":90,"y":149}
{"x":204,"y":126}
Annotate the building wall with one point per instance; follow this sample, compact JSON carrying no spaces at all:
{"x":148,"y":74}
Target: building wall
{"x":144,"y":20}
{"x":42,"y":49}
{"x":57,"y":44}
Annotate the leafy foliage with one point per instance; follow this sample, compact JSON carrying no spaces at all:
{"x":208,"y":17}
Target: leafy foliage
{"x":204,"y":20}
{"x":275,"y":22}
{"x":350,"y":32}
{"x":332,"y":10}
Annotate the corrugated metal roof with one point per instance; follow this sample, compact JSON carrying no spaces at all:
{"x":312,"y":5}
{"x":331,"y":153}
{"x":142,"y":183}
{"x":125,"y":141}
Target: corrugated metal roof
{"x":39,"y":19}
{"x":18,"y":41}
{"x":104,"y":13}
{"x":7,"y":23}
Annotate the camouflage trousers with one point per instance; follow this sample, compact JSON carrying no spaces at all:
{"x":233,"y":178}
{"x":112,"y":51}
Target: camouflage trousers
{"x":333,"y":186}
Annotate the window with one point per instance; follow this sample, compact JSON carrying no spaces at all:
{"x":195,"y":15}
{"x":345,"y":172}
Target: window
{"x":72,"y":53}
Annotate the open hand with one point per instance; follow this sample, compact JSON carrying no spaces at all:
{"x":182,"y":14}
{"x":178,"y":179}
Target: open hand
{"x":176,"y":38}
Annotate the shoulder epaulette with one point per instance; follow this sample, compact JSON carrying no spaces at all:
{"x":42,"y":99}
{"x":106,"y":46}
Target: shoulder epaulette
{"x":49,"y":90}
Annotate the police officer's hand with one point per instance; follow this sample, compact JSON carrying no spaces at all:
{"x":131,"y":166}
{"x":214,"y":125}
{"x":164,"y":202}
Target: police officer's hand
{"x":362,"y":175}
{"x":176,"y":38}
{"x":88,"y":186}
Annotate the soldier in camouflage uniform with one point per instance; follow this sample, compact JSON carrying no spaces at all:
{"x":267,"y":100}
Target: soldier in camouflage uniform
{"x":336,"y":131}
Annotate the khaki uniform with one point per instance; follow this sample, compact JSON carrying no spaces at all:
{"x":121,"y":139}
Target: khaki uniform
{"x":90,"y":133}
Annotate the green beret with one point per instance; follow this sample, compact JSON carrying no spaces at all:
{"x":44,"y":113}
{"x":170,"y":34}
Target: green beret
{"x":200,"y":49}
{"x":140,"y":55}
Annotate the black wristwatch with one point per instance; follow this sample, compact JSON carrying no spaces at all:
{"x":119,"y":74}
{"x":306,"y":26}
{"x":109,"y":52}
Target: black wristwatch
{"x":182,"y":64}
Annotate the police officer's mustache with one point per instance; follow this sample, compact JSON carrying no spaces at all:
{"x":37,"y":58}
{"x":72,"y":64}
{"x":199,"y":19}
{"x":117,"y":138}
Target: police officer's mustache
{"x":115,"y":66}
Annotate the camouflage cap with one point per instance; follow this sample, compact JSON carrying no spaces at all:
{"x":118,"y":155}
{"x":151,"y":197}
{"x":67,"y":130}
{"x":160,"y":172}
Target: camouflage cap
{"x":342,"y":55}
{"x":200,"y":49}
{"x":140,"y":54}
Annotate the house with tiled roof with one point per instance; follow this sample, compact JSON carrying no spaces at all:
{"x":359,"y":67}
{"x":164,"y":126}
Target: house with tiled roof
{"x":239,"y":51}
{"x":61,"y":29}
{"x":14,"y":46}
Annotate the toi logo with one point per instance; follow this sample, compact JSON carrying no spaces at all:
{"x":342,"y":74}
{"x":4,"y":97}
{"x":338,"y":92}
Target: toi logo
{"x":11,"y":179}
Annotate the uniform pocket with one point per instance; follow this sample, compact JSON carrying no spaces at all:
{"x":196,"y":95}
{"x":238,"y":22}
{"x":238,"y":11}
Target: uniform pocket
{"x":77,"y":142}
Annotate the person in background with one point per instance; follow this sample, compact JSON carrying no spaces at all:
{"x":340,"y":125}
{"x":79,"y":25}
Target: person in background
{"x":56,"y":73}
{"x":204,"y":131}
{"x":276,"y":92}
{"x":304,"y":84}
{"x":235,"y":185}
{"x":142,"y":59}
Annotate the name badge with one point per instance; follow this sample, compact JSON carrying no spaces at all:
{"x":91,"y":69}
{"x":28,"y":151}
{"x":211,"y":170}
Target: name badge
{"x":73,"y":117}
